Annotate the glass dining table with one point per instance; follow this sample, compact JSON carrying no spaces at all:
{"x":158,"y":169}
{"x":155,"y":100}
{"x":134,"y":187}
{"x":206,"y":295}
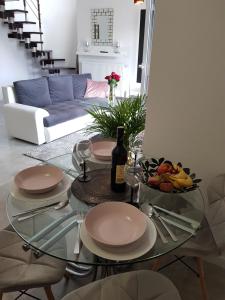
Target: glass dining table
{"x":55,"y":231}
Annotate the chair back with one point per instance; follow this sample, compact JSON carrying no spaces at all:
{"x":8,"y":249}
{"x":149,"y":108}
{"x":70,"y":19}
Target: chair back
{"x":216,"y":211}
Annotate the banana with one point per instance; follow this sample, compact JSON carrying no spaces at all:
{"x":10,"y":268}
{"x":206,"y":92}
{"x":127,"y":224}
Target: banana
{"x":180,"y":179}
{"x":180,"y":175}
{"x":174,"y":183}
{"x":180,"y":182}
{"x":185,"y":182}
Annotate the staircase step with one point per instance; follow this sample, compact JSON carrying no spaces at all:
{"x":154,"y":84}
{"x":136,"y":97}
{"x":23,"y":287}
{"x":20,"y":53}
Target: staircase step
{"x":24,"y":22}
{"x":13,"y":35}
{"x":41,"y":53}
{"x":27,"y":34}
{"x":18,"y":24}
{"x":32,"y":32}
{"x":16,"y":11}
{"x":10,"y":13}
{"x":50,"y":61}
{"x":34,"y":43}
{"x":56,"y":70}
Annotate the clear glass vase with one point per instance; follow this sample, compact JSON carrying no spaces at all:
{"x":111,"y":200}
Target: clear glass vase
{"x":111,"y":94}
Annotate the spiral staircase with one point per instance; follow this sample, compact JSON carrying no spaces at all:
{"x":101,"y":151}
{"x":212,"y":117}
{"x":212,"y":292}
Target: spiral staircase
{"x":18,"y":20}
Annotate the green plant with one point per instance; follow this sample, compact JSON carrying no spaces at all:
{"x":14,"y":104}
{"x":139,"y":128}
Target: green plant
{"x":129,"y":112}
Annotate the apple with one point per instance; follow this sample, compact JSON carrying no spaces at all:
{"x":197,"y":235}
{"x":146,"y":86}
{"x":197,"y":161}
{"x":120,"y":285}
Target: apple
{"x":154,"y":180}
{"x":164,"y":168}
{"x":166,"y":186}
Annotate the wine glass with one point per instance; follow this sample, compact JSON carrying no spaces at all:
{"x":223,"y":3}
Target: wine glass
{"x":135,"y":146}
{"x":84,"y":151}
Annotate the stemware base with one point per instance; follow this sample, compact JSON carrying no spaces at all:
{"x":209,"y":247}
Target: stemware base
{"x":83,"y":178}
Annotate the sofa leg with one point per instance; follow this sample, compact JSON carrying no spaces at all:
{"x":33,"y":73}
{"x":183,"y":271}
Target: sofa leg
{"x":49,"y":293}
{"x":1,"y":295}
{"x":200,"y":267}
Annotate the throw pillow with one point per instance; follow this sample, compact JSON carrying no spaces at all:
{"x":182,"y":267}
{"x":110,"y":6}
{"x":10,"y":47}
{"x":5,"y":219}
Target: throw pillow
{"x":80,"y":85}
{"x":33,"y":92}
{"x":96,"y":89}
{"x":60,"y":88}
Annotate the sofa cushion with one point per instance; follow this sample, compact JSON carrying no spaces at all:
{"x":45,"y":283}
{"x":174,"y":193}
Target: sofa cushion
{"x":62,"y":112}
{"x":80,"y":85}
{"x":96,"y":101}
{"x":60,"y":88}
{"x":33,"y":92}
{"x":96,"y":89}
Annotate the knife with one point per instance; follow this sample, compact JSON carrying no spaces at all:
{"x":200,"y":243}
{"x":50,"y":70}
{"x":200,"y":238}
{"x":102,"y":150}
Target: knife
{"x":158,"y":216}
{"x":31,"y":215}
{"x":175,"y":224}
{"x":35,"y":209}
{"x":194,"y":223}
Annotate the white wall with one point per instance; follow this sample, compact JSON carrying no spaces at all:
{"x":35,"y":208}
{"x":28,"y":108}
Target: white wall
{"x":59,"y":27}
{"x":125,"y":29}
{"x":186,"y":109}
{"x":15,"y":63}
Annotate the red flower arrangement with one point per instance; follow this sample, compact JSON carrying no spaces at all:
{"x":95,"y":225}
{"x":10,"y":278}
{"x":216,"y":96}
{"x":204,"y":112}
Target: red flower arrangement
{"x":113,"y":79}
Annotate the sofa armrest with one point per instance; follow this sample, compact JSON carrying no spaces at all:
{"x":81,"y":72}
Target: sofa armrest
{"x":25,"y":122}
{"x":8,"y":94}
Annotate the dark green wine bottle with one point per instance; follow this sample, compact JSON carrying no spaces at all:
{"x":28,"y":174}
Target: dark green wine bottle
{"x":119,"y":159}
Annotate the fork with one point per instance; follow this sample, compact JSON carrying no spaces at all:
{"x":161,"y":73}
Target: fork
{"x":79,"y":218}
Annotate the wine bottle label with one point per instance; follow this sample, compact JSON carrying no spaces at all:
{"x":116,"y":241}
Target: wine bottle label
{"x":120,"y":174}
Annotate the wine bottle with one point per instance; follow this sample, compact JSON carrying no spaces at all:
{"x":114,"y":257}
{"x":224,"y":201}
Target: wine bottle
{"x":119,"y":159}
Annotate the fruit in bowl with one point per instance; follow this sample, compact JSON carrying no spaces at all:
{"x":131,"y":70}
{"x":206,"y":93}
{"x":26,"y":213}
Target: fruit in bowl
{"x":167,"y":176}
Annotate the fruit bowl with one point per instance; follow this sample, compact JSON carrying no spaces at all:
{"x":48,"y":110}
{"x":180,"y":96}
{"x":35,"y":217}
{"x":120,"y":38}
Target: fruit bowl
{"x":166,"y":176}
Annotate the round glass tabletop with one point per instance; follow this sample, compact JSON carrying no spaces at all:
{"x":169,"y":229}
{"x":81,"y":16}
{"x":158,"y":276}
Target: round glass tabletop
{"x":55,"y":232}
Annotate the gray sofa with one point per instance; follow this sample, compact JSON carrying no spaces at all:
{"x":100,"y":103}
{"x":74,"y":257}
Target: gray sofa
{"x":44,"y":109}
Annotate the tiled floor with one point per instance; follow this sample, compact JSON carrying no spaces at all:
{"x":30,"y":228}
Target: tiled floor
{"x":12,"y":160}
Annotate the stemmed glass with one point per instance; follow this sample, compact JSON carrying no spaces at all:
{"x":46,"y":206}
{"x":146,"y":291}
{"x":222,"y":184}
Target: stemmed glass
{"x":84,"y":151}
{"x":135,"y":146}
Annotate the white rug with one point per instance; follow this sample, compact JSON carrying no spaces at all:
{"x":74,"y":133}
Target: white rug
{"x":57,"y":147}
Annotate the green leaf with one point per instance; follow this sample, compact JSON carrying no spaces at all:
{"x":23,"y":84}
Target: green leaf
{"x":186,"y":170}
{"x":153,"y":165}
{"x":161,"y":160}
{"x":130,"y":113}
{"x":155,"y":161}
{"x":197,"y":180}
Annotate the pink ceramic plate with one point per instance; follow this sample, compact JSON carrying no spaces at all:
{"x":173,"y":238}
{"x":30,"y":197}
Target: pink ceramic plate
{"x":102,"y":150}
{"x":128,"y":252}
{"x":115,"y":223}
{"x":38,"y":179}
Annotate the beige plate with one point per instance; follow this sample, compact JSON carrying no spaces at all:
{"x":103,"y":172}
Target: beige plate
{"x":38,"y":179}
{"x":115,"y":223}
{"x":102,"y":150}
{"x":135,"y":250}
{"x":61,"y":188}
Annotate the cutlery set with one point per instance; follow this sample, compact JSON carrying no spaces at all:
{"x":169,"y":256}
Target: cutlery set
{"x":155,"y":211}
{"x":157,"y":214}
{"x":77,"y":220}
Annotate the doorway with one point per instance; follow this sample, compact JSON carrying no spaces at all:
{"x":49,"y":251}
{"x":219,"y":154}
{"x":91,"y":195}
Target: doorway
{"x":145,"y":45}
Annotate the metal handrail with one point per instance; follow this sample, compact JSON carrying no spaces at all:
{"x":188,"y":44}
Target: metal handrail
{"x":36,"y":13}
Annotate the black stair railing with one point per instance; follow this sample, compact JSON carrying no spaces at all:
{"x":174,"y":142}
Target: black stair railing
{"x":16,"y":31}
{"x":35,"y":9}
